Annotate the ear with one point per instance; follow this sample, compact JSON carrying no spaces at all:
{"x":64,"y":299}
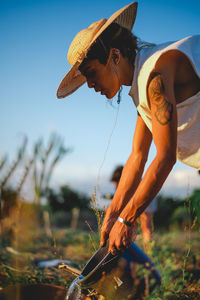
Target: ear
{"x":116,"y":55}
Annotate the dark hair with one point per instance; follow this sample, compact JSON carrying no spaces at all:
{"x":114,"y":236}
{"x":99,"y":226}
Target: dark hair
{"x":116,"y":175}
{"x":114,"y":36}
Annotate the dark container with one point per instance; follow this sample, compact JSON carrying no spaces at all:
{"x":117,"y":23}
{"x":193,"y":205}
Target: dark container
{"x":127,"y":275}
{"x":33,"y":292}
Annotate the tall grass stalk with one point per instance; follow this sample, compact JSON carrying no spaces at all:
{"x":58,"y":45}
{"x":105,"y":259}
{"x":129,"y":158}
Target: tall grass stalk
{"x":99,"y":214}
{"x":95,"y":247}
{"x":188,"y":245}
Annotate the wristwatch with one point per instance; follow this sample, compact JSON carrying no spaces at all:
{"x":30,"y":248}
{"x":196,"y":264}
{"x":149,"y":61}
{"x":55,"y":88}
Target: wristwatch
{"x":129,"y":224}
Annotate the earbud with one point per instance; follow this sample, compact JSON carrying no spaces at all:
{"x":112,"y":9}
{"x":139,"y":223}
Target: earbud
{"x":115,"y":61}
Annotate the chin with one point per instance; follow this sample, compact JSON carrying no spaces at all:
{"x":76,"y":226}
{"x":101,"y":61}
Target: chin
{"x":110,"y":95}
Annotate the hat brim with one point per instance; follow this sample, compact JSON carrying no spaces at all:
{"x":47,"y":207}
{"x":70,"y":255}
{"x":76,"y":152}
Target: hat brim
{"x":71,"y":82}
{"x":74,"y":79}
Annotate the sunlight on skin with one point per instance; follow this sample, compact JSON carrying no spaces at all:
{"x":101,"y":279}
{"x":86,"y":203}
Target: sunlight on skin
{"x":108,"y":78}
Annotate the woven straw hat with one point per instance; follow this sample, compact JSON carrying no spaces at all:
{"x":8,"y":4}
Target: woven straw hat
{"x":82,"y":42}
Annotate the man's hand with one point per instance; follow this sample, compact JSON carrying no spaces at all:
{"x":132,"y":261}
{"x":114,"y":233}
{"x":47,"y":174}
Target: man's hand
{"x":121,"y":236}
{"x":107,"y":225}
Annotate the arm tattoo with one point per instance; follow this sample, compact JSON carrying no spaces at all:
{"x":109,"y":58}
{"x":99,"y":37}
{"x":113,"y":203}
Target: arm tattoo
{"x":164,"y":109}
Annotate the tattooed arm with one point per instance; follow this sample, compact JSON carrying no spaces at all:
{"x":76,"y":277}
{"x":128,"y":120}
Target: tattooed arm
{"x":164,"y":131}
{"x":161,"y":108}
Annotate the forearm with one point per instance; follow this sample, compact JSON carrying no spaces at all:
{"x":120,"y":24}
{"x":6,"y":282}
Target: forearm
{"x":148,"y":188}
{"x":129,"y":182}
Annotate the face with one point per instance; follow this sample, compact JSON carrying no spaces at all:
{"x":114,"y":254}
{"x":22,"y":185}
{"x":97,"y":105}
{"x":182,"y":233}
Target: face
{"x":103,"y":78}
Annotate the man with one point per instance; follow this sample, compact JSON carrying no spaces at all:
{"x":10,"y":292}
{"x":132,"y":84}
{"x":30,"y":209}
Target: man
{"x":165,"y":87}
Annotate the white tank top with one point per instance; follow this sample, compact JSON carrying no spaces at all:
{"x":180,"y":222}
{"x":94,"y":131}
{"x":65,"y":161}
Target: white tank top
{"x":188,"y":112}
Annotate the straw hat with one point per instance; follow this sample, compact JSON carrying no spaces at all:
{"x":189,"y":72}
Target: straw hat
{"x":82,"y":42}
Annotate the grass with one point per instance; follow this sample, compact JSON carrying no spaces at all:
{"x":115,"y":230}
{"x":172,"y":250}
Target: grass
{"x":25,"y":243}
{"x":179,"y":267}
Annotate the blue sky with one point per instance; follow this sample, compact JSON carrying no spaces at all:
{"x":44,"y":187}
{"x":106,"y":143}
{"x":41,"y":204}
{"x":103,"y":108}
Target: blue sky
{"x":35,"y":36}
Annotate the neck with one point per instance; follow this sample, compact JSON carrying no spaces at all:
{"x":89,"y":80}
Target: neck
{"x":126,"y":70}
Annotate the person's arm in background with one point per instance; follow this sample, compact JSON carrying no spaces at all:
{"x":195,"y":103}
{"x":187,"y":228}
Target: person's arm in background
{"x":130,"y":178}
{"x":164,"y":130}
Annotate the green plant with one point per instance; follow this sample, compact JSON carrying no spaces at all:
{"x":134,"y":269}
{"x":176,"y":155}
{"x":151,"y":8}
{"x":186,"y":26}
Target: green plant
{"x":44,"y":162}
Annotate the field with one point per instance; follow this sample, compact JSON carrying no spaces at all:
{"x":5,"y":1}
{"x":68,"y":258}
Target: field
{"x":176,"y":254}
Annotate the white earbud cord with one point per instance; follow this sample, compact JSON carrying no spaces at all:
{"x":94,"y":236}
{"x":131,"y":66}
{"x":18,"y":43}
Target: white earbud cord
{"x":106,"y":151}
{"x":97,"y":188}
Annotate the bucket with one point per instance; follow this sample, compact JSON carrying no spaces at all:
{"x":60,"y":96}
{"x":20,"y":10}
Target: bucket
{"x":127,"y":275}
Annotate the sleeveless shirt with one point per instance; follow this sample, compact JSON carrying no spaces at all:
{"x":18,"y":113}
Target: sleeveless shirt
{"x":188,"y":112}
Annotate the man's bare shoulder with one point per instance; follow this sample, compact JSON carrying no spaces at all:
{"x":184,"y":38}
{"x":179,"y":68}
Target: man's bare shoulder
{"x":175,"y":62}
{"x":178,"y":73}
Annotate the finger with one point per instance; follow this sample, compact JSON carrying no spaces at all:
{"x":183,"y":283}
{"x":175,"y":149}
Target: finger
{"x":126,"y":243}
{"x":113,"y":251}
{"x":104,"y":237}
{"x":119,"y":246}
{"x":112,"y":248}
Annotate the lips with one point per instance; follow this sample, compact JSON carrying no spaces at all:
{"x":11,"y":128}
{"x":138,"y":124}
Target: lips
{"x":97,"y":89}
